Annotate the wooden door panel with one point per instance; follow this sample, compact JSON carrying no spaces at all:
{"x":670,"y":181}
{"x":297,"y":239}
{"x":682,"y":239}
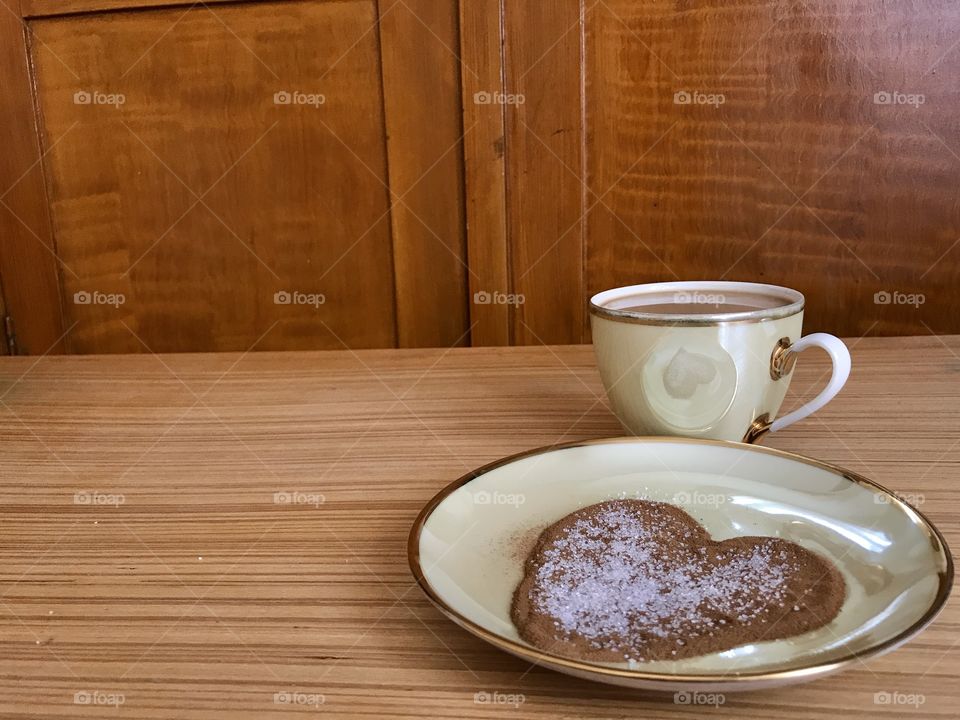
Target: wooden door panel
{"x":801,"y":176}
{"x":199,"y":197}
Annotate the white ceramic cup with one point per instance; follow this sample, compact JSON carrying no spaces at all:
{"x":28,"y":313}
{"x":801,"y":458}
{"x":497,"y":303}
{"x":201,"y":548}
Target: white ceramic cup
{"x":705,"y":359}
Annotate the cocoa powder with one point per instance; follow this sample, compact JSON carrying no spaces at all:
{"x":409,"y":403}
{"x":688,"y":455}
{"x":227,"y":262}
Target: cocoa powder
{"x":636,"y":580}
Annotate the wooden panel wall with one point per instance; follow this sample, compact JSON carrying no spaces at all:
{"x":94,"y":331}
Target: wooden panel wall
{"x":820,"y":149}
{"x":202,"y":160}
{"x":799,"y":177}
{"x":477,"y":169}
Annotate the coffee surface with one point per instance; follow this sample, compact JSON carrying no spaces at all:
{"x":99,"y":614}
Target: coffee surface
{"x":639,"y":580}
{"x":692,"y":308}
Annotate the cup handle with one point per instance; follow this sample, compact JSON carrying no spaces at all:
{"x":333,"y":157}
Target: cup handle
{"x":785,"y":356}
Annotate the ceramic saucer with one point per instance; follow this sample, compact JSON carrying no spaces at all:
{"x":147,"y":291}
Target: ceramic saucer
{"x":468,"y":545}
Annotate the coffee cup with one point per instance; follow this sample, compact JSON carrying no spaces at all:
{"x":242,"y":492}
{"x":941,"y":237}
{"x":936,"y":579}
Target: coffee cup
{"x":706,"y":359}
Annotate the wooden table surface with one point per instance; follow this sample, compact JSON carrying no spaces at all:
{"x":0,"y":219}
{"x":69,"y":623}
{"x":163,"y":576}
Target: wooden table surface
{"x":147,"y":569}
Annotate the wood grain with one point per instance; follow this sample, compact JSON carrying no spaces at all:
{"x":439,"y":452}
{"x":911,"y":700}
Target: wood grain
{"x":199,"y":198}
{"x":53,"y":8}
{"x":481,"y":43}
{"x":798,"y":178}
{"x":6,"y":341}
{"x":544,"y":146}
{"x":198,"y":596}
{"x":421,"y":87}
{"x":584,"y":174}
{"x":28,"y":262}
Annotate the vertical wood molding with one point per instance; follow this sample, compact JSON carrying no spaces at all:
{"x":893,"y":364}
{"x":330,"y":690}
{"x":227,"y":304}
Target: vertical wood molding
{"x":419,"y":47}
{"x":481,"y":40}
{"x":28,"y":264}
{"x":545,"y":173}
{"x":4,"y":337}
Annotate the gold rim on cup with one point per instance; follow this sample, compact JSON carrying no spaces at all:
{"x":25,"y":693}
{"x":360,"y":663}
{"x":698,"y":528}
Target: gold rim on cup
{"x":793,"y":303}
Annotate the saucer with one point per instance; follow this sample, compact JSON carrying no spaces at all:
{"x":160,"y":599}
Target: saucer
{"x":468,"y":545}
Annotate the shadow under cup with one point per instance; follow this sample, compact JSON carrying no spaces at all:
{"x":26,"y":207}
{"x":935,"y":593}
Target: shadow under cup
{"x":697,"y":359}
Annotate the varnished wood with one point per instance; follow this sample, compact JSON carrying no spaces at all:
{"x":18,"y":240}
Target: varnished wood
{"x":28,"y":261}
{"x":54,"y":8}
{"x":597,"y":179}
{"x":799,"y":177}
{"x":421,"y":79}
{"x":199,"y":597}
{"x":481,"y":42}
{"x":544,"y":146}
{"x":5,"y":340}
{"x":199,"y":198}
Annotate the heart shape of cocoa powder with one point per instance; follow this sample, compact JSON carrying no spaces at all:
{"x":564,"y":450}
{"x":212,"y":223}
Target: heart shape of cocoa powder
{"x":639,"y":580}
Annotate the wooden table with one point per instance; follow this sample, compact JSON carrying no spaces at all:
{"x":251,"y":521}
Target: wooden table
{"x":145,"y":555}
